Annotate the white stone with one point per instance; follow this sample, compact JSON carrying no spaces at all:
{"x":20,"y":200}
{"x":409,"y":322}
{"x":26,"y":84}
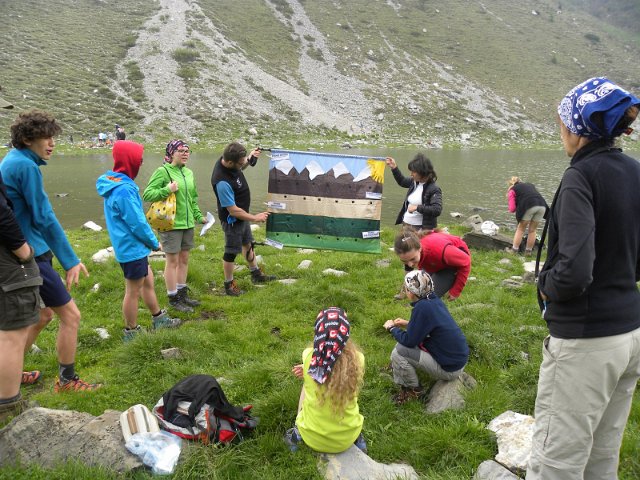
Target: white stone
{"x":92,"y":226}
{"x":306,"y":250}
{"x":331,"y":271}
{"x":304,"y":264}
{"x":95,"y":288}
{"x":252,"y":131}
{"x":514,"y":432}
{"x":504,"y":261}
{"x":102,"y":333}
{"x":157,"y":256}
{"x":456,"y":214}
{"x":287,"y":281}
{"x":201,"y":247}
{"x":531,"y":266}
{"x":383,"y":263}
{"x":102,"y":256}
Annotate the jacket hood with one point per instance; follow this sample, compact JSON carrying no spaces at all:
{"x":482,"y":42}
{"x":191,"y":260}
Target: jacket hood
{"x":127,"y":158}
{"x":109,"y":181}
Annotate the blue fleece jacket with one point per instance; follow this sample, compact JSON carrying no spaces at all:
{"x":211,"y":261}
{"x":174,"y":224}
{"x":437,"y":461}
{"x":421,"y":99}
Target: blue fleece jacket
{"x":22,"y":176}
{"x":432,"y":328}
{"x":131,"y":236}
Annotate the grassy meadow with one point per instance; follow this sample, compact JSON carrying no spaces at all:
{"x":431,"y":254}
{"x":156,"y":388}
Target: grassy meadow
{"x":250,"y":343}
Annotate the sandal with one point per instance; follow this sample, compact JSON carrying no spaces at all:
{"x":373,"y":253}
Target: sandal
{"x":29,"y":378}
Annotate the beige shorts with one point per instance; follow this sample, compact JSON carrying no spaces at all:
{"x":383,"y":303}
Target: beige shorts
{"x":534,"y":214}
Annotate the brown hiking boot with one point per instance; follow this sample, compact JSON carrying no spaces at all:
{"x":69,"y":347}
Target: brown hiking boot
{"x":12,"y":409}
{"x":231,"y":288}
{"x":258,"y":276}
{"x":407,"y":394}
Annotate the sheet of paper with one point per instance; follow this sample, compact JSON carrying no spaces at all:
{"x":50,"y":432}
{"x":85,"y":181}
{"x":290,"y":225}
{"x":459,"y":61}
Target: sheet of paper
{"x":210,"y":221}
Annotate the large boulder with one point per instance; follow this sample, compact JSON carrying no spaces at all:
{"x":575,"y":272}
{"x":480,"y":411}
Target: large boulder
{"x":47,"y":437}
{"x":354,"y":464}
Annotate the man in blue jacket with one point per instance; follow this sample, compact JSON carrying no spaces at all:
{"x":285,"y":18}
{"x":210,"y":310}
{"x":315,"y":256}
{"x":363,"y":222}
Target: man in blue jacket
{"x":32,"y":136}
{"x":131,"y":236}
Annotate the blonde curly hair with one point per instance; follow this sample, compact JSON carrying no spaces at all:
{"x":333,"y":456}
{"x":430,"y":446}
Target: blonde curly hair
{"x":345,"y":380}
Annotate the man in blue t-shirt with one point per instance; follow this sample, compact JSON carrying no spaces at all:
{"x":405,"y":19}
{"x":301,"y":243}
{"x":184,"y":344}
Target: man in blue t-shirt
{"x":234,"y":199}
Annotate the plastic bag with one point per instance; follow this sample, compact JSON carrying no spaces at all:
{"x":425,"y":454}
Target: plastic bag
{"x":158,"y":450}
{"x":489,"y":228}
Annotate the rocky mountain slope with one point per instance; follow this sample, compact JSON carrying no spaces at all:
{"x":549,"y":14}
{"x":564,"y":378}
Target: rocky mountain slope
{"x":459,"y":72}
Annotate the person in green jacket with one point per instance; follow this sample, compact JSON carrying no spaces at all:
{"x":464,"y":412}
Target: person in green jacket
{"x":174,"y":176}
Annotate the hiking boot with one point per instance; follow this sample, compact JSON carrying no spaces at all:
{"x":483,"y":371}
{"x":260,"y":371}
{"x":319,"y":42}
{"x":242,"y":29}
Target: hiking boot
{"x":292,"y":438}
{"x":183,"y":293}
{"x":175,"y":302}
{"x":12,"y":409}
{"x":407,"y":394}
{"x":258,"y":276}
{"x":165,"y":321}
{"x":29,"y":378}
{"x":130,"y":333}
{"x":75,"y":385}
{"x":231,"y":288}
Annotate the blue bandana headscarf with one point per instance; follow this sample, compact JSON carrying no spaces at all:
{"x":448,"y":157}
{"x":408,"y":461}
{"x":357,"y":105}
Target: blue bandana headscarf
{"x":172,"y":146}
{"x":596,"y":95}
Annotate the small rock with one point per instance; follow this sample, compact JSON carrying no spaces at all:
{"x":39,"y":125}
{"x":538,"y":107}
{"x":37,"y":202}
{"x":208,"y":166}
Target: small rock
{"x":287,"y":281}
{"x":95,"y":288}
{"x":102,"y":333}
{"x":490,"y":470}
{"x":252,"y":131}
{"x":447,"y":394}
{"x":531,"y":266}
{"x":529,"y":277}
{"x":239,"y":268}
{"x":472,"y":278}
{"x":505,"y":261}
{"x":305,"y":264}
{"x":306,"y":250}
{"x":331,"y":271}
{"x":92,"y":226}
{"x":61,"y":195}
{"x":524,"y":355}
{"x":102,"y":256}
{"x":516,"y":277}
{"x":171,"y":353}
{"x":474,"y":222}
{"x":383,"y":263}
{"x":35,"y":349}
{"x":157,"y":256}
{"x":201,"y":247}
{"x":456,"y":215}
{"x":509,"y":283}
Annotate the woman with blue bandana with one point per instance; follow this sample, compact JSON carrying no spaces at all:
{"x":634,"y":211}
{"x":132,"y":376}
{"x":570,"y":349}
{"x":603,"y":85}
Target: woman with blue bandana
{"x":591,"y":359}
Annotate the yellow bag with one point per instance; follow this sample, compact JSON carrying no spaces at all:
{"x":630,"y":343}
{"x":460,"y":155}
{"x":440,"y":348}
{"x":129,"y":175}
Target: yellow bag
{"x":162,"y":213}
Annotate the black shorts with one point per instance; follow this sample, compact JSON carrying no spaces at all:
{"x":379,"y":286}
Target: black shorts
{"x":52,"y":290}
{"x":236,"y":235}
{"x":135,"y":270}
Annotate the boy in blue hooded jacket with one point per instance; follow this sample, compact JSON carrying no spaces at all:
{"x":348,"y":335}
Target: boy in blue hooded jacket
{"x":131,"y":236}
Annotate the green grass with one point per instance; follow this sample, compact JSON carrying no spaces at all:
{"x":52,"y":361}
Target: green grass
{"x":232,"y":339}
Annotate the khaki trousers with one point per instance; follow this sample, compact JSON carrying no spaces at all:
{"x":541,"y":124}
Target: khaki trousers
{"x":585,"y":392}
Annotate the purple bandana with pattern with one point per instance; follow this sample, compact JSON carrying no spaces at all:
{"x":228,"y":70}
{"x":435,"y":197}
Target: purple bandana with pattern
{"x":172,"y":146}
{"x":331,"y":335}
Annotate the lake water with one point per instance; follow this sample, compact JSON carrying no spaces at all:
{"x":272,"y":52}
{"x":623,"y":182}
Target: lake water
{"x":470,"y":180}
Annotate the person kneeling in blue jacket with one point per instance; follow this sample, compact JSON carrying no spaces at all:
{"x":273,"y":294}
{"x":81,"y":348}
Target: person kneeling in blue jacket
{"x":432,"y":341}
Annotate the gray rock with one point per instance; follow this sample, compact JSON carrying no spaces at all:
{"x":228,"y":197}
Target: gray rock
{"x":447,"y":394}
{"x":504,"y":261}
{"x":48,"y":437}
{"x":331,"y":271}
{"x":490,"y":470}
{"x":511,"y":283}
{"x":474,"y":222}
{"x":287,"y":281}
{"x":170,"y":353}
{"x":304,"y":264}
{"x":529,"y":277}
{"x":383,"y":263}
{"x":356,"y":465}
